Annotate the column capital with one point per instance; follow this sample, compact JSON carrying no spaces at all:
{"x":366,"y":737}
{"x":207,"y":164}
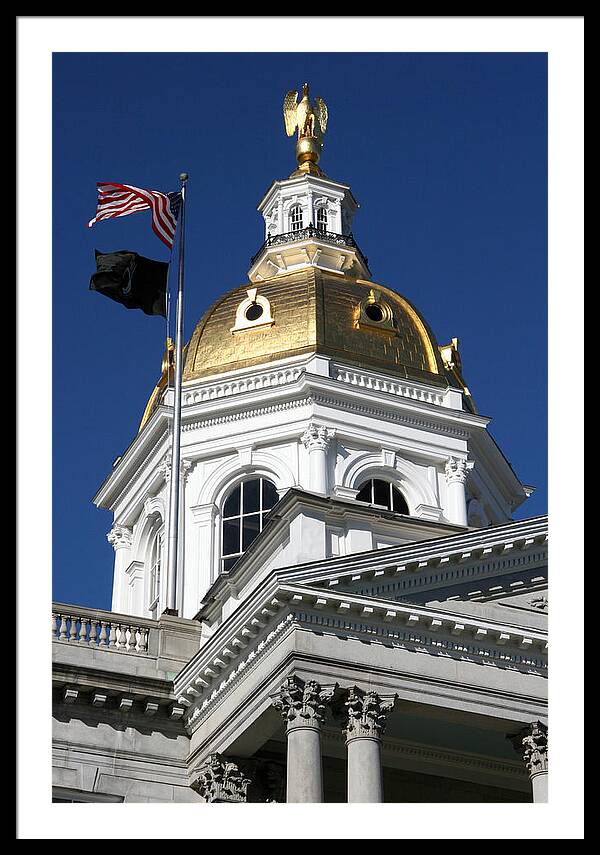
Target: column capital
{"x":532,"y":744}
{"x":317,"y":437}
{"x":120,"y":537}
{"x":219,"y":780}
{"x":457,"y":470}
{"x":364,"y":714}
{"x":302,"y":703}
{"x":186,"y":467}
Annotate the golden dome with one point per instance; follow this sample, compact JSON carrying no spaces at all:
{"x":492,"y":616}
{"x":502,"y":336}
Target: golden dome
{"x":315,"y":310}
{"x":350,"y":319}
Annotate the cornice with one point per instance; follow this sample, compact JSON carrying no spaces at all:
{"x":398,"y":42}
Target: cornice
{"x":145,"y":444}
{"x":260,"y":623}
{"x":466,"y":546}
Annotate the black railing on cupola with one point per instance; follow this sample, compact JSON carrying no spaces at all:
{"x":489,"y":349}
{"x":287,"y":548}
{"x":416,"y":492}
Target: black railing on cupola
{"x":308,"y":232}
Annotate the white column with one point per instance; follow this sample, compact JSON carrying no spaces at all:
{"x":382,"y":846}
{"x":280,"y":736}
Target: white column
{"x":120,"y":537}
{"x":302,"y":705}
{"x":365,"y":719}
{"x":457,"y":470}
{"x":317,"y":439}
{"x":532,"y":745}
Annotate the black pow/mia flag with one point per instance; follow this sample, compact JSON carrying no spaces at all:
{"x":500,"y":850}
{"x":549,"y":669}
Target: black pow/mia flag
{"x":132,"y":280}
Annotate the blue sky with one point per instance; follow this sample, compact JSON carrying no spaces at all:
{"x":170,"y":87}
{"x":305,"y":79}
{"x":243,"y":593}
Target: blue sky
{"x":447,"y":156}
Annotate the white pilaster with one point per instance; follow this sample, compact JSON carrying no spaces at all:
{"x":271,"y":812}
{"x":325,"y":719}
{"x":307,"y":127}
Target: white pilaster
{"x":120,"y":538}
{"x":317,"y":439}
{"x":457,"y":470}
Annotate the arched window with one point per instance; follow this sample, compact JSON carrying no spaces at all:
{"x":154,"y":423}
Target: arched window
{"x":244,"y":513}
{"x":322,"y":219}
{"x":156,"y":553}
{"x":382,"y":493}
{"x":295,"y":218}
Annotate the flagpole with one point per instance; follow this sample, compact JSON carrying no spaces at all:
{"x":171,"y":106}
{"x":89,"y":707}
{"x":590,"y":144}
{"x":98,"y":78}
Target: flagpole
{"x":172,"y":543}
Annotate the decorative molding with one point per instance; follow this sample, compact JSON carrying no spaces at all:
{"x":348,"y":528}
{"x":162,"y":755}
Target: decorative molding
{"x":220,"y":780}
{"x":120,"y":537}
{"x":532,"y":744}
{"x":385,"y":415}
{"x":426,"y":754}
{"x":540,"y":603}
{"x":317,"y":437}
{"x":245,"y":666}
{"x":391,"y":387}
{"x":248,"y":414}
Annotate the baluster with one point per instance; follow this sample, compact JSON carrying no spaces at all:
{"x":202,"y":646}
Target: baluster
{"x":102,"y":639}
{"x":133,"y":638}
{"x":73,"y":631}
{"x":93,"y":630}
{"x":54,"y":627}
{"x":83,"y":631}
{"x":112,"y":638}
{"x":123,"y":637}
{"x":62,"y":633}
{"x":143,"y":642}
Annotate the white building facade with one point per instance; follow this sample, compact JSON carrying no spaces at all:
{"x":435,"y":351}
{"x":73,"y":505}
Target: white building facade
{"x":358,"y":616}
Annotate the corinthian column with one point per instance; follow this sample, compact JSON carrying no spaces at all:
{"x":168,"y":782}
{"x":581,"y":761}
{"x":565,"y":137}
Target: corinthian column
{"x":302,"y":705}
{"x":457,"y":470}
{"x":316,"y":439}
{"x":532,"y":744}
{"x":120,"y":538}
{"x":365,"y":718}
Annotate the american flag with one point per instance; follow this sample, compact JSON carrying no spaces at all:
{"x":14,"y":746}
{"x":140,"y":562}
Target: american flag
{"x":119,"y":200}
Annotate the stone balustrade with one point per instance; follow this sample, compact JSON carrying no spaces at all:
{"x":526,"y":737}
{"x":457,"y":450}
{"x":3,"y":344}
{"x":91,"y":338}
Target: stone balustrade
{"x":104,"y":630}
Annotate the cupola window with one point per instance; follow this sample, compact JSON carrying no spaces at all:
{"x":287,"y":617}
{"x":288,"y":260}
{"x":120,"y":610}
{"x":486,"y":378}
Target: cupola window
{"x":295,"y":218}
{"x":322,"y":219}
{"x":155,"y":567}
{"x":244,"y":514}
{"x":382,"y":494}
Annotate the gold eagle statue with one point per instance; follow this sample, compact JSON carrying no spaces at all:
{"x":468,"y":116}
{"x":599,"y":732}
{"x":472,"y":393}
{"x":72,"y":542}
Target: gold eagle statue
{"x":311,"y":122}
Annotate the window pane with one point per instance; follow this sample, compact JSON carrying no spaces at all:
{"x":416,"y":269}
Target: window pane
{"x":251,"y":496}
{"x":231,"y":536}
{"x":270,"y":496}
{"x":400,"y":506}
{"x":381,"y":490}
{"x":251,"y":527}
{"x":229,"y":562}
{"x":364,"y":494}
{"x":232,"y":505}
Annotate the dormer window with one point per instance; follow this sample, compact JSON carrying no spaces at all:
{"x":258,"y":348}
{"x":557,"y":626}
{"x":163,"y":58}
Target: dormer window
{"x":295,"y":218}
{"x":322,"y":219}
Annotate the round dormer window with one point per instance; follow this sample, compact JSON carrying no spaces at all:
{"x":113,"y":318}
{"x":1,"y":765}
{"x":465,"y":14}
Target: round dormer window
{"x":374,"y":312}
{"x":254,"y":312}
